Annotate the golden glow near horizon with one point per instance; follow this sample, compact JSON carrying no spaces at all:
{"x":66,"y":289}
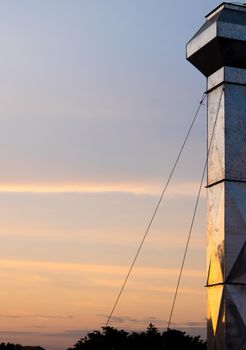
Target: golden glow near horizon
{"x":181,"y":189}
{"x":83,"y":293}
{"x":48,"y":245}
{"x":51,"y":282}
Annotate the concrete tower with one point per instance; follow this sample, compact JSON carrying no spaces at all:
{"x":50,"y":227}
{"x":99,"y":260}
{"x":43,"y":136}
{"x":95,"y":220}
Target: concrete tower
{"x":218,"y":50}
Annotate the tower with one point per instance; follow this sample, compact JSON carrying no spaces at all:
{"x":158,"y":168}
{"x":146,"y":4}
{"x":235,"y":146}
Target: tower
{"x":218,"y":50}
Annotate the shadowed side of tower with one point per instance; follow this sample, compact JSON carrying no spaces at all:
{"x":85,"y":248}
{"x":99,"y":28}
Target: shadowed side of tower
{"x":218,"y":50}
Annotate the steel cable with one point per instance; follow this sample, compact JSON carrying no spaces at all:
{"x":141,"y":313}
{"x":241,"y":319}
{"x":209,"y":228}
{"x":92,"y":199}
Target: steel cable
{"x":192,"y":221}
{"x":156,"y":209}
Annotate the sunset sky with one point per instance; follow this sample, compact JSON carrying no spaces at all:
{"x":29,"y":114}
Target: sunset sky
{"x":96,"y":97}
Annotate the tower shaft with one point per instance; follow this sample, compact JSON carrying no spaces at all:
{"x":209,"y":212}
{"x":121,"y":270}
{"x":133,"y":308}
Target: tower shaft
{"x":218,"y":50}
{"x":226,"y":239}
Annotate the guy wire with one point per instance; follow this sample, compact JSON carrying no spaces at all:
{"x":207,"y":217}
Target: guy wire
{"x":155,"y":210}
{"x":192,"y":222}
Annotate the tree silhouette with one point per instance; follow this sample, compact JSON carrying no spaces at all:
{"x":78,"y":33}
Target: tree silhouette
{"x":111,"y":338}
{"x":10,"y":346}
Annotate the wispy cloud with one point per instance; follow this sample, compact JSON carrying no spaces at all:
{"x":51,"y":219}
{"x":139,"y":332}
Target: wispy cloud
{"x":195,"y":324}
{"x":33,"y":316}
{"x":188,"y":189}
{"x":118,"y":320}
{"x":10,"y":316}
{"x":101,"y":269}
{"x":67,"y":333}
{"x":144,"y":322}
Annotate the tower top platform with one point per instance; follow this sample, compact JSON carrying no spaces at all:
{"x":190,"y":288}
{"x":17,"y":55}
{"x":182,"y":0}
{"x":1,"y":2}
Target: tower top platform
{"x":226,"y":5}
{"x":221,"y":41}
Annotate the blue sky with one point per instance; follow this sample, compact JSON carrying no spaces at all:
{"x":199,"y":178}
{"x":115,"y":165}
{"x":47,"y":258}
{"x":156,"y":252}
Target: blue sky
{"x":96,"y":97}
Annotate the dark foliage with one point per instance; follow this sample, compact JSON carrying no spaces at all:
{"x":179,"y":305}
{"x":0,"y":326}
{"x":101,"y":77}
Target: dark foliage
{"x":113,"y":339}
{"x":9,"y":346}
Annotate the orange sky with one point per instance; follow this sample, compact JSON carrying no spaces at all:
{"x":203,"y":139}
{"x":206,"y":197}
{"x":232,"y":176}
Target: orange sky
{"x":96,"y":98}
